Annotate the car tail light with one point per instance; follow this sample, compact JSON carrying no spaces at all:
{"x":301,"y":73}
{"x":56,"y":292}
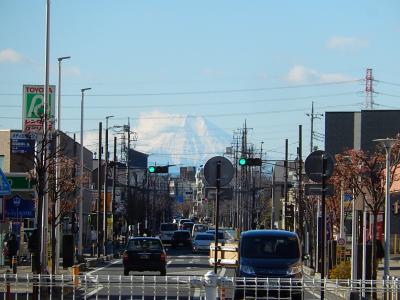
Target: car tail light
{"x":163,"y":257}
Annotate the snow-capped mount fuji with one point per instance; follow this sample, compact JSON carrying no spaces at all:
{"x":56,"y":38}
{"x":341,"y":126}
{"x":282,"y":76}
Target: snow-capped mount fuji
{"x":180,"y":140}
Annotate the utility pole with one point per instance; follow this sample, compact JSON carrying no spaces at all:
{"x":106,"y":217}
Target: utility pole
{"x":302,"y":227}
{"x":236,"y":182}
{"x":312,"y":117}
{"x":127,"y":129}
{"x":99,"y":235}
{"x":285,"y":187}
{"x":105,"y":189}
{"x":114,"y":185}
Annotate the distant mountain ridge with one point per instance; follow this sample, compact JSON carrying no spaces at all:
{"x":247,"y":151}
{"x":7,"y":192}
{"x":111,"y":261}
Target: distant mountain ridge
{"x":182,"y":141}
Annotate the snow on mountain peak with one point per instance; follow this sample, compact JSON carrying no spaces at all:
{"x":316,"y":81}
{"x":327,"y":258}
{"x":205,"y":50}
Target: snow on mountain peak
{"x":179,"y":139}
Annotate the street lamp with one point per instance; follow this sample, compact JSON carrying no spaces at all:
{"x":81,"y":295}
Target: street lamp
{"x":81,"y":185}
{"x":105,"y":189}
{"x":387,"y":144}
{"x":57,"y":208}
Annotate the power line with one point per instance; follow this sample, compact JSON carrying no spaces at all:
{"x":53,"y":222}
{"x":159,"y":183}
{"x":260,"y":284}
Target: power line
{"x":387,"y":82}
{"x":239,"y":102}
{"x":207,"y":115}
{"x":206,"y":91}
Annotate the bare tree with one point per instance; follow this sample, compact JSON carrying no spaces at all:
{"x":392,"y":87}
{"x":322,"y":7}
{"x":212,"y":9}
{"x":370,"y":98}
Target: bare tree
{"x":364,"y":174}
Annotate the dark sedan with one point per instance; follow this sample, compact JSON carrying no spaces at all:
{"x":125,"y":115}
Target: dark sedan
{"x":181,"y":238}
{"x":144,"y":254}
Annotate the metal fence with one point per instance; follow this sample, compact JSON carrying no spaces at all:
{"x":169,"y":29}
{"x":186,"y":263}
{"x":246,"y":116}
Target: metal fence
{"x":13,"y":286}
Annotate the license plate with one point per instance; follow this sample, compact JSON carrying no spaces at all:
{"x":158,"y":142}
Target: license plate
{"x":144,"y":256}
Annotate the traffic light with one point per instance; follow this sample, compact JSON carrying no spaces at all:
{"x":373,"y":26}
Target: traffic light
{"x":158,"y":169}
{"x":254,"y":161}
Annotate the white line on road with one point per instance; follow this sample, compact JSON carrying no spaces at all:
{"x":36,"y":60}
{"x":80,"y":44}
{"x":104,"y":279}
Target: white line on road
{"x":106,"y":266}
{"x":222,"y":273}
{"x":98,"y":289}
{"x":196,"y":293}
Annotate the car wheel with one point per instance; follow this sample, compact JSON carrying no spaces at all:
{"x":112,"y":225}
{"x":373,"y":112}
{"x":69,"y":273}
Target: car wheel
{"x":126,"y":272}
{"x":163,"y":272}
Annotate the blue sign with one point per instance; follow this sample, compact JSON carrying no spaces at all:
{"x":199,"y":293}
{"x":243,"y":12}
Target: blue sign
{"x":347,"y":197}
{"x":179,"y":198}
{"x":5,"y":187}
{"x":22,"y":143}
{"x":18,"y":208}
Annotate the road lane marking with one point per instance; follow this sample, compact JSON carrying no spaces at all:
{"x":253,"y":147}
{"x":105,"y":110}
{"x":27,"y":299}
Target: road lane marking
{"x":99,"y":288}
{"x":196,"y":293}
{"x":106,"y":266}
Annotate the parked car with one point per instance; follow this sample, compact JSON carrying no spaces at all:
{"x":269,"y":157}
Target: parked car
{"x":270,"y":254}
{"x":201,"y":242}
{"x":167,"y":231}
{"x":181,"y":238}
{"x":197,"y":228}
{"x":144,"y":254}
{"x":188,"y":226}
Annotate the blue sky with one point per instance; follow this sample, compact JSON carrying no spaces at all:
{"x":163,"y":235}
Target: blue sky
{"x":230,"y":61}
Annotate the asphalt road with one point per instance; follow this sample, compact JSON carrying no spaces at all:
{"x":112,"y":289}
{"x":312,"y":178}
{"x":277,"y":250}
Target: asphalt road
{"x":180,"y":263}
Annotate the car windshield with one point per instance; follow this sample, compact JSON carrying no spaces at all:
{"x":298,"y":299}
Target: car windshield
{"x":143,"y":245}
{"x":200,"y":228}
{"x":270,"y":247}
{"x":204,"y":237}
{"x":220,"y":234}
{"x":168,"y":227}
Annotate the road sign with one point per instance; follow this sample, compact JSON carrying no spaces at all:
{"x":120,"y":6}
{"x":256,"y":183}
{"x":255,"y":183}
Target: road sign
{"x":5,"y":188}
{"x":341,"y":241}
{"x":210,"y":171}
{"x":22,"y":142}
{"x":33,"y":108}
{"x":19,"y":182}
{"x":316,"y":189}
{"x":18,"y":208}
{"x":313,"y":165}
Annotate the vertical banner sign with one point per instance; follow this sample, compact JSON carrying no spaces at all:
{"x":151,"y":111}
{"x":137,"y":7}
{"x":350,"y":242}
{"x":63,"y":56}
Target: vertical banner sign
{"x":33,"y":108}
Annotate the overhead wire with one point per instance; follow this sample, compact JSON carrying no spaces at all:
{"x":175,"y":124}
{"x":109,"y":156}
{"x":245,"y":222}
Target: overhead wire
{"x":205,"y":91}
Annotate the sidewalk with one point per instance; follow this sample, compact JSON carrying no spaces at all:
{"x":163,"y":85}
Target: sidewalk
{"x":90,"y":261}
{"x":394,"y":266}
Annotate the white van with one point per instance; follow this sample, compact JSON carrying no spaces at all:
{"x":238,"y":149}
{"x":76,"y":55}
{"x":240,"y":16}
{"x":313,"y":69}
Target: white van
{"x":167,"y":231}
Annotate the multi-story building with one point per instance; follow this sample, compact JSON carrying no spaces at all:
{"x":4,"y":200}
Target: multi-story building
{"x":357,"y":130}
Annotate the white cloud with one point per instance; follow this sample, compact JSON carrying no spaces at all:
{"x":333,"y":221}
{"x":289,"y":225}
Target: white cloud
{"x":302,"y":74}
{"x":343,"y":43}
{"x":10,"y":56}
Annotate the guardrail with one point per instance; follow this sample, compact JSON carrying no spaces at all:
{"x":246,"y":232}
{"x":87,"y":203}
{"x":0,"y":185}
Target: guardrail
{"x":209,"y":286}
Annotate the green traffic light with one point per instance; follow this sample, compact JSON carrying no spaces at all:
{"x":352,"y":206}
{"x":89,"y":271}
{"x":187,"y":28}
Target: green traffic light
{"x":242,"y":161}
{"x":152,"y":169}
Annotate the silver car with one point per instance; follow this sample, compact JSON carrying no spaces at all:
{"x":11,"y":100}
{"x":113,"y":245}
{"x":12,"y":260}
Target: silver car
{"x":201,"y":242}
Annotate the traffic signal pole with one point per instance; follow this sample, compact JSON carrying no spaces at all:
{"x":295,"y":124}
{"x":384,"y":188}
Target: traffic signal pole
{"x":217,"y":216}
